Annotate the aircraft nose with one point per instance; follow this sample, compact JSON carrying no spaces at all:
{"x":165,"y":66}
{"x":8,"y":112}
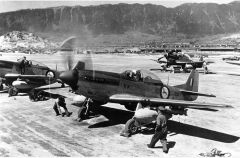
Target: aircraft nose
{"x":70,"y":78}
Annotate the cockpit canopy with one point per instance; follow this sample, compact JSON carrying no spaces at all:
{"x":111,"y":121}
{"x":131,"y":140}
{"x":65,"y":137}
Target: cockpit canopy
{"x":140,"y":76}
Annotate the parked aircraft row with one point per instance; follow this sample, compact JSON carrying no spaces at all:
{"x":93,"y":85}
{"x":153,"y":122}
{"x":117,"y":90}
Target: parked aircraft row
{"x":129,"y":88}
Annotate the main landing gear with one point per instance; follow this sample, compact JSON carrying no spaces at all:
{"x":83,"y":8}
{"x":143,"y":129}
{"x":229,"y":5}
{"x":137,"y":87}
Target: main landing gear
{"x":37,"y":95}
{"x":83,"y":112}
{"x":62,"y":85}
{"x":12,"y":91}
{"x":88,"y":108}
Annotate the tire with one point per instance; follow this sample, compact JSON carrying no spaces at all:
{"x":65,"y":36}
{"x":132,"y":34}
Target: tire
{"x":40,"y":96}
{"x":131,"y":127}
{"x":13,"y":91}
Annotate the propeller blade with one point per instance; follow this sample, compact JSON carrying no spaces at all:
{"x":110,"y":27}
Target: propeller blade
{"x":69,"y":61}
{"x":84,"y":62}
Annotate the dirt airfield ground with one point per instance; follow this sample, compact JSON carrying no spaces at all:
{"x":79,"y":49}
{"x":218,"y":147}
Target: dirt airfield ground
{"x":32,"y":129}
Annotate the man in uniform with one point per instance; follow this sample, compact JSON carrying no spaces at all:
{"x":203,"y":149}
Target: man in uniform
{"x":61,"y":103}
{"x":160,"y":130}
{"x":22,"y":61}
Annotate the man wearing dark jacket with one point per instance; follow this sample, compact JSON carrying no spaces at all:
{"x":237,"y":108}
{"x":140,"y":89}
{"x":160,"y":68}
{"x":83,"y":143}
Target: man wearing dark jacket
{"x":61,"y":103}
{"x":22,"y":61}
{"x":160,"y":130}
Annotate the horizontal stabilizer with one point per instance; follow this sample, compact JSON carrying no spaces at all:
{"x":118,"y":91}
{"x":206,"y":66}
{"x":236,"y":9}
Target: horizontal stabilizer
{"x":196,"y":93}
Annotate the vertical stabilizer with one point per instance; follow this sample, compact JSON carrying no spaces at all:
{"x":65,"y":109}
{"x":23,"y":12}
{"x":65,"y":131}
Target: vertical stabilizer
{"x":192,"y":81}
{"x":80,"y":65}
{"x":190,"y":86}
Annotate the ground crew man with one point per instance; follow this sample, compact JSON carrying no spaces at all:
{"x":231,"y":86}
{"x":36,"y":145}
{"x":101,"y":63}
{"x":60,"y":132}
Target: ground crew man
{"x":61,"y":103}
{"x":160,"y":130}
{"x":22,"y":61}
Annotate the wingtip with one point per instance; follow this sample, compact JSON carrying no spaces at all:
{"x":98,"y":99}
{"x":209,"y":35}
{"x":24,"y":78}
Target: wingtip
{"x":212,"y":95}
{"x":229,"y":106}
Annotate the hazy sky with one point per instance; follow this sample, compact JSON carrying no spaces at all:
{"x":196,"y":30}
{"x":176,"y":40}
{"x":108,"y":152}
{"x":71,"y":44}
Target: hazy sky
{"x":6,"y":6}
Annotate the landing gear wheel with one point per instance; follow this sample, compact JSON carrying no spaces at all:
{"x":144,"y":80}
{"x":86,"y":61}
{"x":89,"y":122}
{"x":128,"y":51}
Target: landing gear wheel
{"x":1,"y":87}
{"x":40,"y":96}
{"x":12,"y":91}
{"x":131,"y":127}
{"x":63,"y":85}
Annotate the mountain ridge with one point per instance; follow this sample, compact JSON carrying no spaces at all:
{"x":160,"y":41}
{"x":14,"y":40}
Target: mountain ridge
{"x":190,"y":19}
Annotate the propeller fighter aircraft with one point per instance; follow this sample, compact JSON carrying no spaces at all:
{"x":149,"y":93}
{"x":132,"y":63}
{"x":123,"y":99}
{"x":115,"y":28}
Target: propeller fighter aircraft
{"x":35,"y":75}
{"x":181,"y":61}
{"x":28,"y":75}
{"x":130,"y":88}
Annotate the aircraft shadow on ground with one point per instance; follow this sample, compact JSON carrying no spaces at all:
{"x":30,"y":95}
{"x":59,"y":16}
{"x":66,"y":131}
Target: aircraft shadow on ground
{"x":181,"y":128}
{"x":114,"y":116}
{"x":117,"y":116}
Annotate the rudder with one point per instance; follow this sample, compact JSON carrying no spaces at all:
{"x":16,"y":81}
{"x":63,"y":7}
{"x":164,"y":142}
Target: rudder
{"x":192,"y":81}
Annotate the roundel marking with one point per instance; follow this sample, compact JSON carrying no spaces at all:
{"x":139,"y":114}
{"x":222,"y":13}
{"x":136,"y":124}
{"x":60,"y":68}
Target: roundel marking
{"x":165,"y":92}
{"x":50,"y":74}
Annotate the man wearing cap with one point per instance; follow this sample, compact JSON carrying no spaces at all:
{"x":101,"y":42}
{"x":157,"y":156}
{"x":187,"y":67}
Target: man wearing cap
{"x":160,"y":130}
{"x":22,"y":62}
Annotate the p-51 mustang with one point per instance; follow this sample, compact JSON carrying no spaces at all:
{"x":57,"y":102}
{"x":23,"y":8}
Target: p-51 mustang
{"x":130,"y":88}
{"x":34,"y":75}
{"x":180,"y":61}
{"x":26,"y":75}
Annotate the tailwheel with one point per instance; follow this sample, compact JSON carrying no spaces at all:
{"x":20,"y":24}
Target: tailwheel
{"x":12,"y":91}
{"x":131,"y":126}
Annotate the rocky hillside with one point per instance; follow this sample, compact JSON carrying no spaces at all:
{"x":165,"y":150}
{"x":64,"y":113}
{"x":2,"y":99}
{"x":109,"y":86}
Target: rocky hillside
{"x":24,"y":42}
{"x":187,"y":19}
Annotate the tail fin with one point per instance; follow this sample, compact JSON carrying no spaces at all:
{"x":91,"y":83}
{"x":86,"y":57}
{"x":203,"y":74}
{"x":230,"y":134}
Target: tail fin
{"x":80,"y":65}
{"x":192,"y":81}
{"x":190,"y":88}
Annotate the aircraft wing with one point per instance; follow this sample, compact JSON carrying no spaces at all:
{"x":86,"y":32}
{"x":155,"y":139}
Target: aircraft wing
{"x":125,"y":98}
{"x":159,"y":61}
{"x":193,"y":62}
{"x":12,"y":76}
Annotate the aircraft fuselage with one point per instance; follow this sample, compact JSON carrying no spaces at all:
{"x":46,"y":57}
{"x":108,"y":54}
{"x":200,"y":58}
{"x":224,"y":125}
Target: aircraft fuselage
{"x":100,"y":85}
{"x":11,"y":67}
